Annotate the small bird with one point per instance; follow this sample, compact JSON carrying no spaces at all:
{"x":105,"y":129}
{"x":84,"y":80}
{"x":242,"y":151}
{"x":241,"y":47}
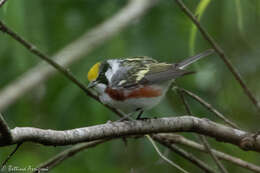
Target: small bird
{"x":136,"y":83}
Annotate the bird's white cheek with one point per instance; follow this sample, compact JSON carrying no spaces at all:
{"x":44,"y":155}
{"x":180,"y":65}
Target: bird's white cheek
{"x":100,"y":88}
{"x":104,"y":98}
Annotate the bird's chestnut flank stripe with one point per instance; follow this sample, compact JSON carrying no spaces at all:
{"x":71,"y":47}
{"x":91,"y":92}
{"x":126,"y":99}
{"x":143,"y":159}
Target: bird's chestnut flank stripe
{"x":142,"y":92}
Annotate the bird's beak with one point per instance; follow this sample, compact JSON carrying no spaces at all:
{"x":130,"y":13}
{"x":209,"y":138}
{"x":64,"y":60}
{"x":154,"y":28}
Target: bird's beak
{"x":92,"y":84}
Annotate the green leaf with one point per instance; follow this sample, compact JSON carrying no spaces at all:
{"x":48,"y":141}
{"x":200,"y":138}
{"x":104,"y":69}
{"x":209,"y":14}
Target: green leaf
{"x":5,"y":6}
{"x":239,"y":15}
{"x":203,"y":4}
{"x":3,"y":10}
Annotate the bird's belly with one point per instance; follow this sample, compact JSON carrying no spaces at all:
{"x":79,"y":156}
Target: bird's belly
{"x":131,"y":104}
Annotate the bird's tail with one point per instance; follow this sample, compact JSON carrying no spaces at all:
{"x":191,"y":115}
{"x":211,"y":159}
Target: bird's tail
{"x":193,"y":59}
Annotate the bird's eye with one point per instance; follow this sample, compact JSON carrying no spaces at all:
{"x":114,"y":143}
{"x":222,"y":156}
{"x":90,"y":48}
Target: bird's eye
{"x":93,"y":72}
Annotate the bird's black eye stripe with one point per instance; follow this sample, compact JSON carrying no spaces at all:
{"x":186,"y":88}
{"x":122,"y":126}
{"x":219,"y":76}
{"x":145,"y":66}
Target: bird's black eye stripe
{"x":104,"y":67}
{"x":102,"y":73}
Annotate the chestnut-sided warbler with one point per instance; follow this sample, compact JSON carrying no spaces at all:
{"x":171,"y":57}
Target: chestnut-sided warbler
{"x":136,"y":83}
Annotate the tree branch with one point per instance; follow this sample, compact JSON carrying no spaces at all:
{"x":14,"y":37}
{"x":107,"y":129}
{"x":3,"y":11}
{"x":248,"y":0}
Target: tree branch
{"x":55,"y":65}
{"x":59,"y":158}
{"x":178,"y":139}
{"x":244,"y":140}
{"x":161,"y":138}
{"x":44,"y":57}
{"x":10,"y":155}
{"x":5,"y":131}
{"x":220,"y":52}
{"x":72,"y":52}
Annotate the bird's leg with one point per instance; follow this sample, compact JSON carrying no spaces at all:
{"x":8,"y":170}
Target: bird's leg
{"x":140,"y":114}
{"x":126,"y":117}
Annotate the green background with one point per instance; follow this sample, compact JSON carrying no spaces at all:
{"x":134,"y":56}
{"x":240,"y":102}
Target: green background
{"x":164,"y":34}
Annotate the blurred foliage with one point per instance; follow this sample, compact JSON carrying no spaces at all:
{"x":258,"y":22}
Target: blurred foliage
{"x":163,"y":34}
{"x":202,"y":6}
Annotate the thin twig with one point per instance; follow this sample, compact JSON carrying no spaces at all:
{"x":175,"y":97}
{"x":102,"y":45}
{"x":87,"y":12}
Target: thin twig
{"x":10,"y":155}
{"x":165,"y":158}
{"x":81,"y":47}
{"x":209,"y":107}
{"x":63,"y":70}
{"x":178,"y":139}
{"x":203,"y":138}
{"x":155,"y":147}
{"x":220,"y":52}
{"x":208,"y":148}
{"x":2,"y":2}
{"x":44,"y":57}
{"x":54,"y":64}
{"x":188,"y":156}
{"x":59,"y":158}
{"x":184,"y":102}
{"x":4,"y":130}
{"x":188,"y":110}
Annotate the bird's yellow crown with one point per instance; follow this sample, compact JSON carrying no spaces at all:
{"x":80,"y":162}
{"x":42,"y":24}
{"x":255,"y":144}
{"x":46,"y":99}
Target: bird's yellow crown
{"x":93,"y":72}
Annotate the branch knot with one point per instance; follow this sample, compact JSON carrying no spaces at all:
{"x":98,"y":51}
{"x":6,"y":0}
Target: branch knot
{"x":247,"y":142}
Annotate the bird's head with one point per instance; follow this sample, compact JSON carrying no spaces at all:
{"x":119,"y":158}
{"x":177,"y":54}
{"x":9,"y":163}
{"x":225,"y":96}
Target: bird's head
{"x":97,"y":74}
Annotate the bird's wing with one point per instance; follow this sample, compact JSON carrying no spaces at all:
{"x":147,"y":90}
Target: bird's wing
{"x":163,"y":72}
{"x":145,"y":70}
{"x":155,"y":73}
{"x":131,"y":71}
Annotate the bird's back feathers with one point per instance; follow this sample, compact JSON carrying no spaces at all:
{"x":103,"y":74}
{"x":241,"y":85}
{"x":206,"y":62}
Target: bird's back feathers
{"x":145,"y":70}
